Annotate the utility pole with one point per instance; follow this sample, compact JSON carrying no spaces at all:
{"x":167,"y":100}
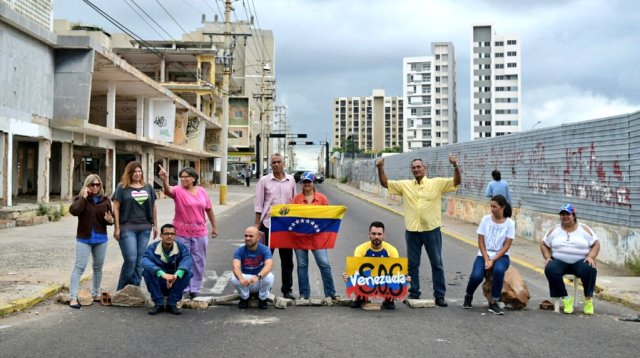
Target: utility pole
{"x":224,"y":135}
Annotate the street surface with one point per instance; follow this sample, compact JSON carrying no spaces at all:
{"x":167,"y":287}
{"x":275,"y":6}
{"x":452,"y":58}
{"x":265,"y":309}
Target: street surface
{"x":226,"y":331}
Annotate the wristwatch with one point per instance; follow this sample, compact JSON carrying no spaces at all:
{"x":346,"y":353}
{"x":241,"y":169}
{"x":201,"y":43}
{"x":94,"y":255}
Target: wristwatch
{"x":259,"y":276}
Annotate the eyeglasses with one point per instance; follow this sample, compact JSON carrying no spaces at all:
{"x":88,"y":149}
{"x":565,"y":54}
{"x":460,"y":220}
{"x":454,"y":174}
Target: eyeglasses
{"x":94,"y":185}
{"x":168,"y":234}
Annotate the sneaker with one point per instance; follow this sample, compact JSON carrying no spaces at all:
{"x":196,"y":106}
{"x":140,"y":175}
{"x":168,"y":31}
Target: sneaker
{"x":262,"y":304}
{"x":389,"y":304}
{"x":243,"y":303}
{"x":588,"y":306}
{"x":357,"y":303}
{"x":495,"y":308}
{"x":414,"y":296}
{"x":568,"y":304}
{"x":288,"y":295}
{"x":467,"y":302}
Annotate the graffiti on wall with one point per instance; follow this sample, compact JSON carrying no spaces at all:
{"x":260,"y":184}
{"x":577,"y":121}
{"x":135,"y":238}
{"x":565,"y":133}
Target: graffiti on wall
{"x":587,"y":178}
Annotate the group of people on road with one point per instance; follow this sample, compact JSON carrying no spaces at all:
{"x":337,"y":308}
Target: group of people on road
{"x":173,"y":267}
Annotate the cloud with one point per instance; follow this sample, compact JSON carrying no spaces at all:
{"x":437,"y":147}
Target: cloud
{"x":558,"y":104}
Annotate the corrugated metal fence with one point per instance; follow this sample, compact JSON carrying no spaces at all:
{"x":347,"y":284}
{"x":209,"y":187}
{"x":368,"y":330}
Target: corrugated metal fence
{"x":595,"y":165}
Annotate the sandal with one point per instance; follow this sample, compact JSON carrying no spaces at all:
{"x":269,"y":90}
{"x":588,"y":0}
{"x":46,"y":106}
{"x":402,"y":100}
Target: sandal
{"x":546,"y":305}
{"x":105,"y":300}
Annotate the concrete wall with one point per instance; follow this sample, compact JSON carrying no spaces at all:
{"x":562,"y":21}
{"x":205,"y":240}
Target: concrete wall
{"x":73,"y":73}
{"x":595,"y":165}
{"x":26,"y":75}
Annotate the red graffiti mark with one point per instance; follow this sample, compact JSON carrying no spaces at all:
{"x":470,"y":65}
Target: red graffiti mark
{"x":592,"y":158}
{"x":617,"y":171}
{"x":602,"y":176}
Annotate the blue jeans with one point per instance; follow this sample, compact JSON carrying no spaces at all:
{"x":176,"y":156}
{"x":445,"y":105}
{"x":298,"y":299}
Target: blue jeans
{"x":262,"y":286}
{"x":158,"y":290}
{"x":432,"y":242}
{"x":98,"y":252}
{"x":133,"y":244}
{"x":322,"y":260}
{"x":555,"y":269}
{"x":478,"y":273}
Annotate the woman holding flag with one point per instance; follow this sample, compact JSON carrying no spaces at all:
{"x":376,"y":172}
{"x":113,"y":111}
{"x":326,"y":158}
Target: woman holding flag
{"x":310,"y":196}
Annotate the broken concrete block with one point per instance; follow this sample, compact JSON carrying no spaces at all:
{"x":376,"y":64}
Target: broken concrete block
{"x":130,"y":296}
{"x":282,"y":302}
{"x":420,"y":303}
{"x":302,"y":302}
{"x":515,"y":292}
{"x":327,"y":301}
{"x":224,"y":299}
{"x":63,"y":298}
{"x":85,"y":298}
{"x":194,"y":304}
{"x":371,"y":306}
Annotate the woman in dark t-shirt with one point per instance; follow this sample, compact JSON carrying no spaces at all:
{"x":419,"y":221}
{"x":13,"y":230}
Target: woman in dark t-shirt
{"x":135,"y":217}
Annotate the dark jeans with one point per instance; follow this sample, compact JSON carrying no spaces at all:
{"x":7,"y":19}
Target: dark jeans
{"x":432,"y":242}
{"x":478,"y":273}
{"x":555,"y":269}
{"x":157,"y":287}
{"x":286,"y":263}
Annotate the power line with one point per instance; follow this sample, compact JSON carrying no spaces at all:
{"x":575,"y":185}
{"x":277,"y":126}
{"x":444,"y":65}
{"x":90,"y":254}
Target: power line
{"x":152,"y":19}
{"x":255,"y":13}
{"x":122,"y":27}
{"x":174,"y":20}
{"x":143,"y":19}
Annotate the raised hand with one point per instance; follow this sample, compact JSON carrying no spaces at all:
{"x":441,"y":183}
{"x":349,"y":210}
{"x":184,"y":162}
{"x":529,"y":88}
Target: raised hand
{"x":162,"y":173}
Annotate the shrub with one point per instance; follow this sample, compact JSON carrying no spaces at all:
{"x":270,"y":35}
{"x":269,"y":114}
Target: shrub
{"x":43,"y":210}
{"x":343,"y":180}
{"x":633,"y":264}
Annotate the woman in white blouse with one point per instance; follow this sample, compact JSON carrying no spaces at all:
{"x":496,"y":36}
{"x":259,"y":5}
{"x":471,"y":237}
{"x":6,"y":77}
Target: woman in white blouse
{"x":495,"y":235}
{"x":570,"y":249}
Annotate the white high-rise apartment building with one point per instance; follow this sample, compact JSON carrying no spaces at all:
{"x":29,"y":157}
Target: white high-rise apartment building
{"x":495,"y":83}
{"x":429,"y":92}
{"x":372,"y":123}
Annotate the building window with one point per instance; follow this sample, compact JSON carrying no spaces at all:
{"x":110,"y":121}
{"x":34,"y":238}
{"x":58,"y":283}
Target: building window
{"x":499,"y":54}
{"x":499,"y":43}
{"x":499,"y":65}
{"x":511,"y":65}
{"x":511,"y":53}
{"x":511,"y":42}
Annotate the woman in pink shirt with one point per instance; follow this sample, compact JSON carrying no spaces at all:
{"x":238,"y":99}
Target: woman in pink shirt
{"x":191,"y":204}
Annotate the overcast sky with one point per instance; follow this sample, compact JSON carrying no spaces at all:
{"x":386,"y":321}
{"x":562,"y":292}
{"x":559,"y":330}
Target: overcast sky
{"x":579,"y":58}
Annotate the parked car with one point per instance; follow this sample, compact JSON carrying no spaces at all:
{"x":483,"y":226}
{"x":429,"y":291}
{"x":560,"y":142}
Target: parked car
{"x":319,"y":178}
{"x":297,"y":175}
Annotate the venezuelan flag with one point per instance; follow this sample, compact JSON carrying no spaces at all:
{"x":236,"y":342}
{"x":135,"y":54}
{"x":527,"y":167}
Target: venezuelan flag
{"x":307,"y":227}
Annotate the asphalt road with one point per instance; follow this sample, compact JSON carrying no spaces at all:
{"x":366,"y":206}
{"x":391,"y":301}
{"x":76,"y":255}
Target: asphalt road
{"x":225,"y":331}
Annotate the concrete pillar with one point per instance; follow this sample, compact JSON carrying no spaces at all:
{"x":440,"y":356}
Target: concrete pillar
{"x":140,"y":116}
{"x":66,"y":172}
{"x":43,"y":172}
{"x":15,"y":170}
{"x":9,"y":155}
{"x":3,"y":167}
{"x":163,"y":66}
{"x":198,"y":102}
{"x":110,"y":172}
{"x":150,"y":172}
{"x":111,"y":104}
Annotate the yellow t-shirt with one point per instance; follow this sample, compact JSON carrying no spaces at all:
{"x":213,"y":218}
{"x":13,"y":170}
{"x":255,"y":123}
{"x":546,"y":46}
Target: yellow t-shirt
{"x":365,"y":250}
{"x":421,"y":202}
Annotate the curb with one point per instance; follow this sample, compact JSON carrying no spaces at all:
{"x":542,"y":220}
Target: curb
{"x":599,"y":290}
{"x":40,"y":296}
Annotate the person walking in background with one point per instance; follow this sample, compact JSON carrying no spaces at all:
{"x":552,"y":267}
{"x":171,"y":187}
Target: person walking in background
{"x":192,"y":203}
{"x":135,"y":213}
{"x":94,"y":213}
{"x":310,"y":196}
{"x":247,"y":174}
{"x":421,"y":200}
{"x":275,"y":188}
{"x":498,"y":187}
{"x":495,"y":236}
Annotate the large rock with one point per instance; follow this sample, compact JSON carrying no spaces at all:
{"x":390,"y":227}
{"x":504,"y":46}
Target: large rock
{"x":85,"y":298}
{"x":130,"y":296}
{"x":514,"y":290}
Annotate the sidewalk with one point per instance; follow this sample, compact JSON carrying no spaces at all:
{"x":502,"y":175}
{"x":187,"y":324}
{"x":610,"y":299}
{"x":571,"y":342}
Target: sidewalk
{"x":612,"y":284}
{"x":37,"y":260}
